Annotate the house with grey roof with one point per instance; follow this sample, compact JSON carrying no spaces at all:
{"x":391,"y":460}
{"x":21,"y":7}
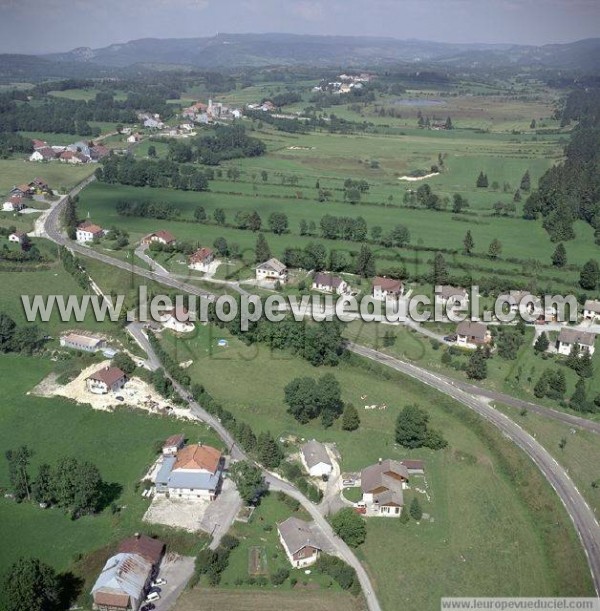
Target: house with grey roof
{"x":471,"y":334}
{"x":315,"y":459}
{"x":452,"y":296}
{"x":122,"y":583}
{"x":591,"y":310}
{"x":382,"y":488}
{"x":301,"y":541}
{"x":328,"y":283}
{"x":569,"y":337}
{"x":272,"y":271}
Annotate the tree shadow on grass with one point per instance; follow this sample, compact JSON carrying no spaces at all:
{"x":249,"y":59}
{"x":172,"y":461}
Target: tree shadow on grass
{"x":109,"y":493}
{"x":70,"y":587}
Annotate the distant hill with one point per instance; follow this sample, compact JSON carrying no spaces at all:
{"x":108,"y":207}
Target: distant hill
{"x":289,"y":49}
{"x":256,"y":50}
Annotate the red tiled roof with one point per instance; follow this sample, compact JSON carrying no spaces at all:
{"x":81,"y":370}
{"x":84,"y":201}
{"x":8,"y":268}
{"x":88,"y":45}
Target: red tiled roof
{"x":198,"y":457}
{"x":201,"y":255}
{"x":91,"y":227}
{"x":110,"y":599}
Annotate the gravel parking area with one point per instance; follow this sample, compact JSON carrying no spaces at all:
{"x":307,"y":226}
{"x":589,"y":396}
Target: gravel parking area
{"x":177,"y":513}
{"x":177,"y":570}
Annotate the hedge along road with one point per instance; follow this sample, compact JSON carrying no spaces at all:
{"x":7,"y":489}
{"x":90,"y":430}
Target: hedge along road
{"x":579,"y":511}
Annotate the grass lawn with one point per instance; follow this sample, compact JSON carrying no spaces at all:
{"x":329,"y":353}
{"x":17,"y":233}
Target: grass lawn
{"x":297,"y":599}
{"x":516,"y":378}
{"x":475,"y":501}
{"x":60,"y":176}
{"x":260,"y":553}
{"x":121,"y":444}
{"x":580,"y":456}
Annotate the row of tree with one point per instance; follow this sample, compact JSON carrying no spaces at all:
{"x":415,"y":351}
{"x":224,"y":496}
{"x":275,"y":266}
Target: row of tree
{"x":74,"y":485}
{"x":126,"y":170}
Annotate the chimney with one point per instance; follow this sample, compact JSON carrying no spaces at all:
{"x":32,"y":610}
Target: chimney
{"x":379,"y":461}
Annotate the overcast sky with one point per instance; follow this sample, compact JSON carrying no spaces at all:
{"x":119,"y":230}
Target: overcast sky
{"x":35,"y":26}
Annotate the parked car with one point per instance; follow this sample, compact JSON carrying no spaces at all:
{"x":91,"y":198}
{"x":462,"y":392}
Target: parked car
{"x":148,"y":607}
{"x":348,"y":482}
{"x":450,"y":338}
{"x":119,"y":398}
{"x":159,"y":582}
{"x":152,"y":597}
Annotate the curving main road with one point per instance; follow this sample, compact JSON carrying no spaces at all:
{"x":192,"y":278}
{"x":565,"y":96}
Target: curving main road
{"x":274,"y":482}
{"x":579,"y":511}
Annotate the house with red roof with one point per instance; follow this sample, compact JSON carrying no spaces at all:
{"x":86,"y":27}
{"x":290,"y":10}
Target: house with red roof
{"x":13,"y":204}
{"x":88,"y":232}
{"x":201,"y":259}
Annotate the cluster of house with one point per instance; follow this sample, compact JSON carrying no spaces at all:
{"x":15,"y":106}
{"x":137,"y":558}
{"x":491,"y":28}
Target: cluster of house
{"x":79,"y":152}
{"x":151,"y":121}
{"x":192,"y":472}
{"x":345,"y":84}
{"x":382,"y":486}
{"x":86,"y":342}
{"x":16,"y":200}
{"x":208,"y":113}
{"x":127,"y":577}
{"x":266,"y":106}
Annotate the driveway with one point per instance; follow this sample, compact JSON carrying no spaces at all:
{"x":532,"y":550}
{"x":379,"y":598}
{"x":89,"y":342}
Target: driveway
{"x":177,"y":570}
{"x":220,"y":514}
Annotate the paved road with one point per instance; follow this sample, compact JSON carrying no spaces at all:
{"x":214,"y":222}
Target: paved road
{"x":580,"y":512}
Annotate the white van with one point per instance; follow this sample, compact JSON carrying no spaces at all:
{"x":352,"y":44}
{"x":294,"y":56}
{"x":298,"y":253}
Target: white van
{"x":153,"y":596}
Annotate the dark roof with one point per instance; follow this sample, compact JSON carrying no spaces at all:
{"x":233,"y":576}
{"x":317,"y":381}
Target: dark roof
{"x":314,"y":453}
{"x":148,"y":548}
{"x":297,"y":534}
{"x":108,"y":375}
{"x":413,"y":464}
{"x":575,"y":336}
{"x":389,"y":285}
{"x":445,"y":291}
{"x":472,"y":329}
{"x":324,"y":279}
{"x":173,"y":440}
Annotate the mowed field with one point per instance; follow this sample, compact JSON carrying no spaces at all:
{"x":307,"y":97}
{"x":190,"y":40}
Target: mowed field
{"x":485,"y":525}
{"x":60,"y":176}
{"x":297,"y":164}
{"x":297,"y":599}
{"x":121,"y":444}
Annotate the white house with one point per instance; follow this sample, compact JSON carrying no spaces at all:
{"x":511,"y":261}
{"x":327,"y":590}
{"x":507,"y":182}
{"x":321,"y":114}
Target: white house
{"x":88,"y":232}
{"x":329,"y":283}
{"x":315,"y":459}
{"x":108,"y":379}
{"x":472,"y":334}
{"x":201,"y":259}
{"x":452,"y":296}
{"x":568,"y":337}
{"x":591,"y":310}
{"x":178,"y":319}
{"x":45,"y":153}
{"x":160,"y":237}
{"x":172,"y":445}
{"x":17,"y":236}
{"x":272,"y":271}
{"x":300,"y":540}
{"x":13,"y":204}
{"x":133,"y":138}
{"x":382,"y":488}
{"x":194,"y":472}
{"x":84,"y":342}
{"x":387,"y":289}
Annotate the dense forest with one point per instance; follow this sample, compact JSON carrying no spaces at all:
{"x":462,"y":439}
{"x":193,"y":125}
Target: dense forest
{"x":571,"y":190}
